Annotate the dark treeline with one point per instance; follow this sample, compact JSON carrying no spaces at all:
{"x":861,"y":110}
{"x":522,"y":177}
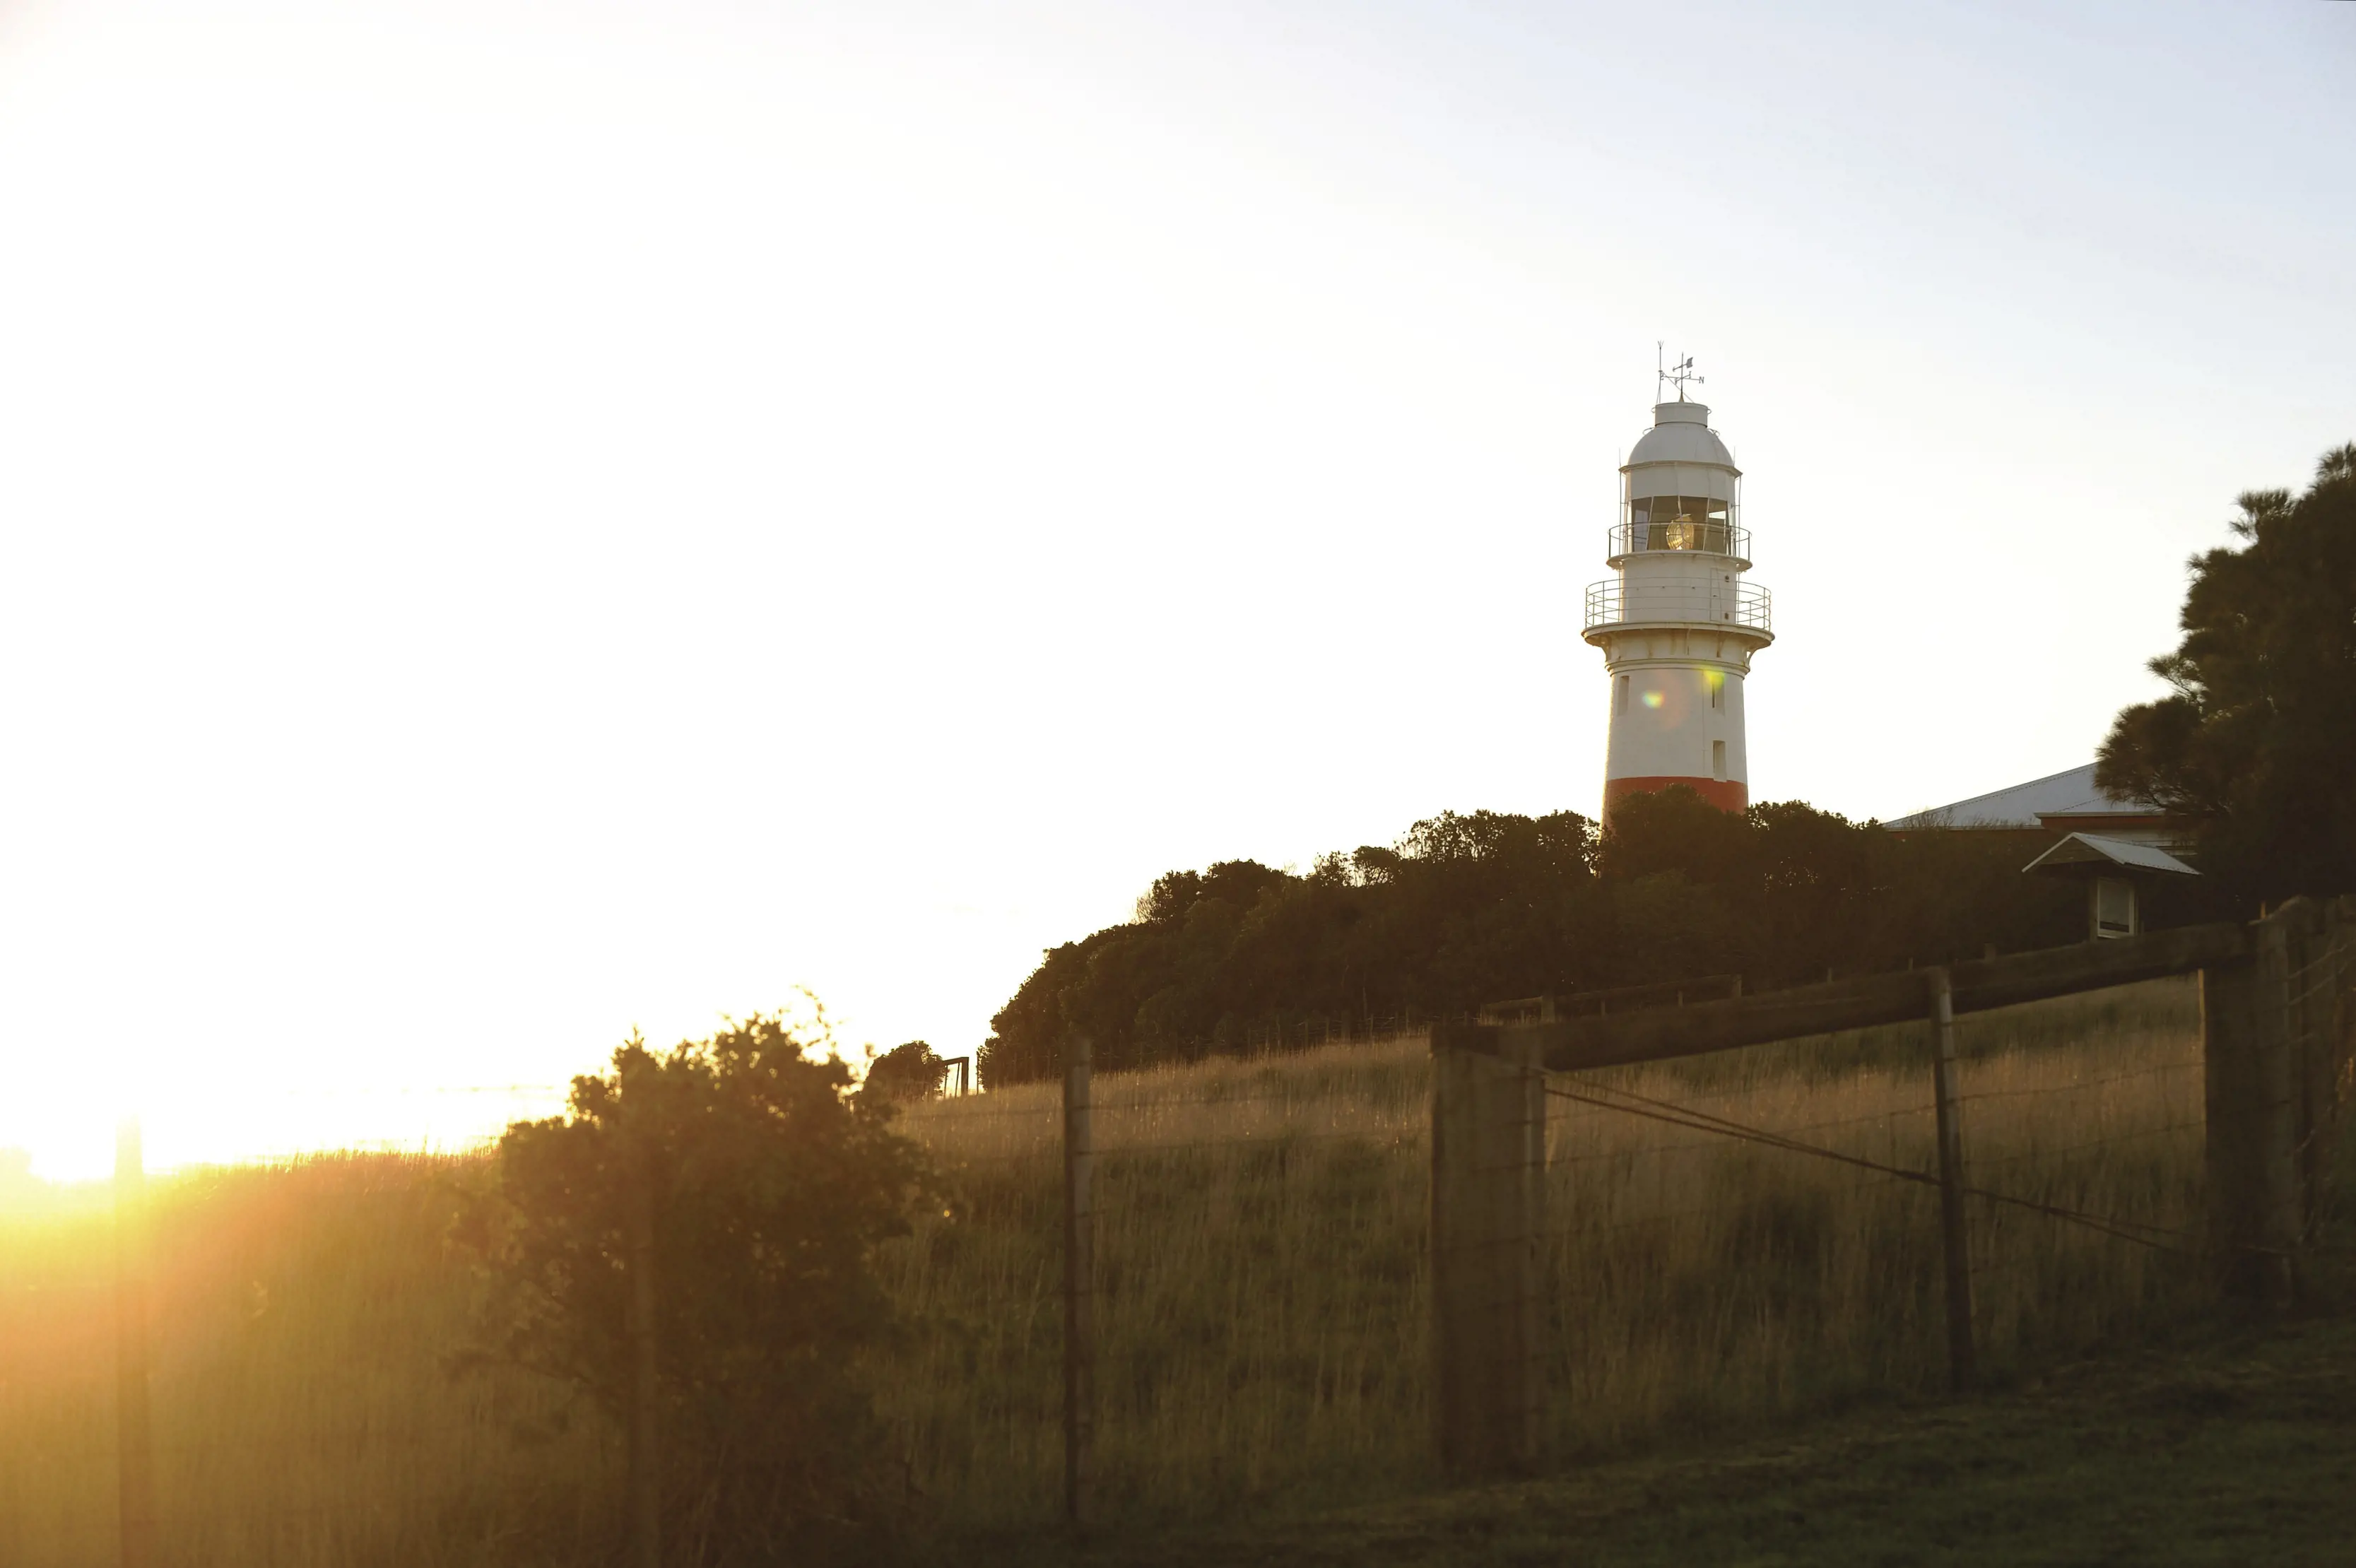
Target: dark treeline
{"x":2257,"y":741}
{"x":1472,"y":908}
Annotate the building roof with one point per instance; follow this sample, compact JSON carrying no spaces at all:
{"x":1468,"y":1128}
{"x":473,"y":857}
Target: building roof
{"x":2066,"y":794}
{"x":1680,"y":433}
{"x":2091,"y":849}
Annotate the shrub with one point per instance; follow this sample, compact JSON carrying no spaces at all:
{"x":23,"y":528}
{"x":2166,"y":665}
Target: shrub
{"x":910,"y":1072}
{"x":768,"y":1185}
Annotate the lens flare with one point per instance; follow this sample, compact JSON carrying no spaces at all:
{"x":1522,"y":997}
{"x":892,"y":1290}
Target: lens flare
{"x":1652,"y":700}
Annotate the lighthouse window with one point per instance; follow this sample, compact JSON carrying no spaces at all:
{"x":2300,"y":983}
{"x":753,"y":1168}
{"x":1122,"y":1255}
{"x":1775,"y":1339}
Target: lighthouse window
{"x":1621,"y":703}
{"x":1718,"y":693}
{"x":1679,"y":522}
{"x":1718,"y":758}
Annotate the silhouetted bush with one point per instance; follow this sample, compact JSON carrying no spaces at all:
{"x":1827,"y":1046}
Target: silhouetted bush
{"x":768,"y":1185}
{"x":904,"y":1073}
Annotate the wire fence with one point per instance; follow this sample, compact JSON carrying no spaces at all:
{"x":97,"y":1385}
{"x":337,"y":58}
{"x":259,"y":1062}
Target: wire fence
{"x":1752,"y":1236}
{"x":1727,"y":1241}
{"x":1716,"y":1250}
{"x":1257,"y":1229}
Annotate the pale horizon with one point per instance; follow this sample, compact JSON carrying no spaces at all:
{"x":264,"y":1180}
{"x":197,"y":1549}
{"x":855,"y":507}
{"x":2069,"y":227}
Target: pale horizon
{"x":525,"y":521}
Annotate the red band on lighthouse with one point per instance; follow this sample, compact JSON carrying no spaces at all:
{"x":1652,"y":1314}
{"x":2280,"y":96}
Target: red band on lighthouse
{"x":1727,"y":795}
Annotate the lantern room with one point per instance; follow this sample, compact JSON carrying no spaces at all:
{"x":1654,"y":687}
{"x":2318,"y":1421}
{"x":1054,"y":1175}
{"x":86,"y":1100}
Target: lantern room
{"x":1680,"y":489}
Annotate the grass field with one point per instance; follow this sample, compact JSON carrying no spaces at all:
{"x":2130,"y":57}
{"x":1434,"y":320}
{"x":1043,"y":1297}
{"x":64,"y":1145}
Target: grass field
{"x":1261,"y":1251}
{"x":2210,"y":1449}
{"x":1261,"y":1241}
{"x":303,"y":1413}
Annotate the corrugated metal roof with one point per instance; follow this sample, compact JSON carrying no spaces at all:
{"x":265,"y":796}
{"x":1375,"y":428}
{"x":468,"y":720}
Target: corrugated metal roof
{"x":2069,"y":793}
{"x":2089,"y":849}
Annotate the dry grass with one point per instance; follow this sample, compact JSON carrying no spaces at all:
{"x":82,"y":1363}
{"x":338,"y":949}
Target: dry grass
{"x":1262,"y":1309}
{"x":1259,"y":1245}
{"x":302,"y":1411}
{"x":1704,"y":1281}
{"x":1261,"y":1315}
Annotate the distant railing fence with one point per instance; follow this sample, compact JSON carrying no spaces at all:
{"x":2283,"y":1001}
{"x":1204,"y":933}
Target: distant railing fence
{"x":1615,"y":602}
{"x":1686,"y":535}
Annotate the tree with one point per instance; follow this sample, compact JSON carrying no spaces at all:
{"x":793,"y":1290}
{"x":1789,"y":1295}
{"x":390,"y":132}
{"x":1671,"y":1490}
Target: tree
{"x":2259,"y":736}
{"x":910,"y":1072}
{"x":768,"y":1186}
{"x":1476,"y":907}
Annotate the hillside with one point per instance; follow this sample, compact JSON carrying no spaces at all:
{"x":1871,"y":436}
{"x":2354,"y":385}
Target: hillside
{"x":1469,"y":908}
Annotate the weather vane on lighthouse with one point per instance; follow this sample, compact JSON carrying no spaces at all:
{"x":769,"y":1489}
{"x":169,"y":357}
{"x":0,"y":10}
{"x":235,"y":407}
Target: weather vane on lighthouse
{"x":1675,"y":374}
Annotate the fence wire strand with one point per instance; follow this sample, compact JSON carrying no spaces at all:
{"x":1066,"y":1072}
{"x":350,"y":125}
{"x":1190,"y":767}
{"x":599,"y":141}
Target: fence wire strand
{"x":1680,"y":1115}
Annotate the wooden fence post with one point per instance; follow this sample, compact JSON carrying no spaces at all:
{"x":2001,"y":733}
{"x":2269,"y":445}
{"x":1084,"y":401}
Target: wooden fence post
{"x":1488,"y":1194}
{"x":1962,"y":1369}
{"x":645,"y":1451}
{"x":2333,"y":1069}
{"x":2341,"y":931}
{"x":133,"y":1439}
{"x":1079,"y":1280}
{"x":2319,"y":1012}
{"x":2252,"y":1118}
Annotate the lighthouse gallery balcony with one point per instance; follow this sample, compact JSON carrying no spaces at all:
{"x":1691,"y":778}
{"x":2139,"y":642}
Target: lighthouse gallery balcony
{"x":1707,"y":537}
{"x":1615,"y":603}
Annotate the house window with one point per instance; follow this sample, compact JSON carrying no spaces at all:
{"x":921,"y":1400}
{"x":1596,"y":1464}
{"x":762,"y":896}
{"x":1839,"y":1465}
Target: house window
{"x":2114,"y":907}
{"x":1718,"y":758}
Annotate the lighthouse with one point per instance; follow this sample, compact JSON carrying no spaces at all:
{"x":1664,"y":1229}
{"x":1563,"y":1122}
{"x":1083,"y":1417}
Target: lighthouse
{"x":1679,"y":624}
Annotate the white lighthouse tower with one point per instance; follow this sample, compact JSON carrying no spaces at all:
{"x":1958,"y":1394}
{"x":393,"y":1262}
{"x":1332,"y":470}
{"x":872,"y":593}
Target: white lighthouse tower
{"x":1678,"y":624}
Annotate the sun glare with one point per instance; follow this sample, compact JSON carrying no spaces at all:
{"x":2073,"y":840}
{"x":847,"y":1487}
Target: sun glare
{"x":66,"y":1140}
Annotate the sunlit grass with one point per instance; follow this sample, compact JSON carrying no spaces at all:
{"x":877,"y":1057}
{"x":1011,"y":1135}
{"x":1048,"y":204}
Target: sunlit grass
{"x":1261,"y":1247}
{"x":1262,"y":1306}
{"x":303,"y":1413}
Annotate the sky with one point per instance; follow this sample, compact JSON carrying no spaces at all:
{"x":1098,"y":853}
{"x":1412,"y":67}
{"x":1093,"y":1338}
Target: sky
{"x":520,"y":522}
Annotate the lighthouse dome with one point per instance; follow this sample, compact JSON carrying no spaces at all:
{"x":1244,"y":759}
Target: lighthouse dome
{"x":1680,"y":433}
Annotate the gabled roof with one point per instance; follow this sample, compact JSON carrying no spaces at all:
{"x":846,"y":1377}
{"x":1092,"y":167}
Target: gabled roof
{"x":2089,"y":849}
{"x":2072,"y":794}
